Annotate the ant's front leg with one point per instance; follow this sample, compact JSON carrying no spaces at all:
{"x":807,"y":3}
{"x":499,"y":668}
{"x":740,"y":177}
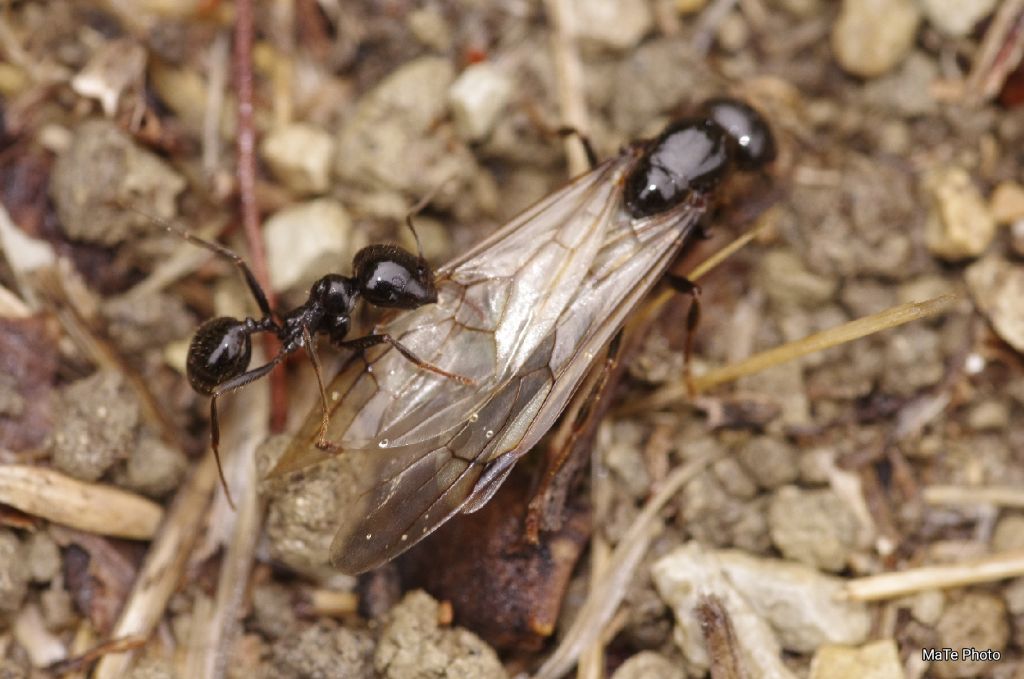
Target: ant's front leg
{"x":685,"y":286}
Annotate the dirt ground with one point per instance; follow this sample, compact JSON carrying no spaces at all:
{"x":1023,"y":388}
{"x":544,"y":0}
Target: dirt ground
{"x":849,"y":509}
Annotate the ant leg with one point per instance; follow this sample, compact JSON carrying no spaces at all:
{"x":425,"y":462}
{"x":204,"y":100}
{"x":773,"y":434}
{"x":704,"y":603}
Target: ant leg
{"x":233,"y":384}
{"x":217,"y":248}
{"x":590,"y":411}
{"x":364,"y":343}
{"x":325,"y":418}
{"x":588,"y":147}
{"x":684,"y":285}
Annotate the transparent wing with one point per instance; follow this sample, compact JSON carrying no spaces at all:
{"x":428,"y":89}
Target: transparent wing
{"x":523,"y":314}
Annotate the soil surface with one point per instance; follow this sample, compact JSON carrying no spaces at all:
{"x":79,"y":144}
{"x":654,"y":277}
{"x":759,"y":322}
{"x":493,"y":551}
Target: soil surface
{"x":897,"y":180}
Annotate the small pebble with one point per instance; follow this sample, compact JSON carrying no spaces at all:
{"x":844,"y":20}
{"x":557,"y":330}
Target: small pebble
{"x":771,"y":462}
{"x":307,"y":240}
{"x":1017,"y":237}
{"x":978,"y":621}
{"x":1007,"y":203}
{"x":321,"y":650}
{"x":649,"y":665}
{"x":871,"y":37}
{"x":813,"y":527}
{"x":14,"y":572}
{"x":926,"y":607}
{"x":413,"y":645}
{"x":273,"y":610}
{"x":431,"y":28}
{"x":91,"y":205}
{"x":959,"y":224}
{"x":393,"y":140}
{"x":877,"y":660}
{"x":137,"y":323}
{"x":733,"y":32}
{"x":612,"y":24}
{"x":956,"y":18}
{"x":96,"y":428}
{"x":906,"y":91}
{"x":477,"y":97}
{"x":43,"y":557}
{"x":989,"y":415}
{"x":803,"y":608}
{"x":1009,"y":533}
{"x":1013,"y":594}
{"x":688,"y":575}
{"x":997,"y":287}
{"x":154,"y":468}
{"x":300,"y":155}
{"x":913,"y":359}
{"x":57,"y":607}
{"x":786,"y":280}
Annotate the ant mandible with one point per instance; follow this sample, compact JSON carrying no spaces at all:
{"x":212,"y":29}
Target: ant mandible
{"x":386,"y":276}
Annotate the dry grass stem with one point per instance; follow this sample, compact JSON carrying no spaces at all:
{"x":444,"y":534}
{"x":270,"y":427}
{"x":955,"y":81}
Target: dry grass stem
{"x":604,"y":597}
{"x":861,"y":327}
{"x":245,"y":430}
{"x":334,"y":603}
{"x":569,"y":73}
{"x":973,"y":572}
{"x":11,"y":305}
{"x":999,"y":496}
{"x":89,"y":507}
{"x":164,"y":565}
{"x":999,"y":54}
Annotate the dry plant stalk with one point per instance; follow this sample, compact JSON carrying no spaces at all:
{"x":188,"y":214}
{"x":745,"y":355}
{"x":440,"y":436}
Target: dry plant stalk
{"x":855,"y":329}
{"x":984,"y":569}
{"x":89,"y":507}
{"x":164,"y":565}
{"x":999,"y":496}
{"x":604,"y":597}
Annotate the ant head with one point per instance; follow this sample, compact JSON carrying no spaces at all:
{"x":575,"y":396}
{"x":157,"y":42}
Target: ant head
{"x":335,"y":295}
{"x":220,"y":350}
{"x":389,"y":276}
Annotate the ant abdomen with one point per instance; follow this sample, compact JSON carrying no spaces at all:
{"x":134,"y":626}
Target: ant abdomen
{"x":220,"y":350}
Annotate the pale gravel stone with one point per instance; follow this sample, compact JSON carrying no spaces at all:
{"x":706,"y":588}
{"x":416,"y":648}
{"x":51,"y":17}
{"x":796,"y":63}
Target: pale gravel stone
{"x":871,"y":37}
{"x":307,"y":240}
{"x":959,"y":224}
{"x":612,"y":24}
{"x":877,"y":660}
{"x":997,"y":287}
{"x":477,"y":97}
{"x":956,"y":18}
{"x":300,"y":156}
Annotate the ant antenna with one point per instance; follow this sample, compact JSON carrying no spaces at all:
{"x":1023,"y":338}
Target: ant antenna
{"x":418,"y":207}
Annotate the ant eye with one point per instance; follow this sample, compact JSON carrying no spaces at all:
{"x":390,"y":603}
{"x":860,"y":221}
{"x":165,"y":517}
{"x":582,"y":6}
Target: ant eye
{"x":220,"y":350}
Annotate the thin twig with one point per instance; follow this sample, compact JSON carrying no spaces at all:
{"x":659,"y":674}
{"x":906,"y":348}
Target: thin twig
{"x":861,"y":327}
{"x":999,"y":496}
{"x":569,"y":73}
{"x":164,"y":565}
{"x":246,"y":173}
{"x":998,"y":55}
{"x":972,"y":572}
{"x":605,"y":597}
{"x":90,"y":507}
{"x":233,"y":579}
